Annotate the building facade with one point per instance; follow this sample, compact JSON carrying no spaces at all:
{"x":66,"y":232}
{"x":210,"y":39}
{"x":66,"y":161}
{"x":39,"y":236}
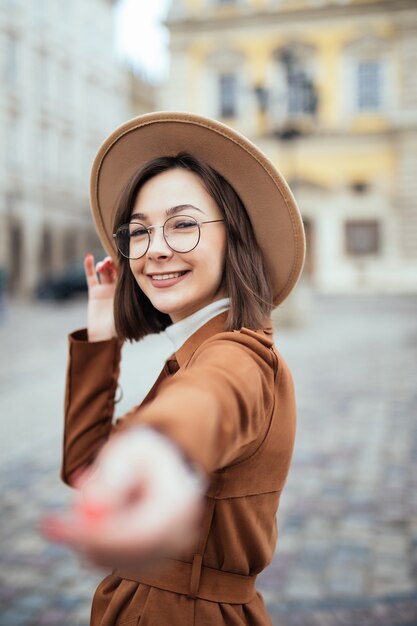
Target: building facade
{"x":62,"y":92}
{"x":328,"y":89}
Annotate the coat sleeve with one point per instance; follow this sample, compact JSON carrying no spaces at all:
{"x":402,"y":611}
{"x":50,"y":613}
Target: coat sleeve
{"x":217,"y":406}
{"x":91,"y":382}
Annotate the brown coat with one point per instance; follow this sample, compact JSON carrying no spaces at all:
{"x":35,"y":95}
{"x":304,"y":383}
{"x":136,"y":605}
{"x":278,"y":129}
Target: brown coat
{"x":227,"y":399}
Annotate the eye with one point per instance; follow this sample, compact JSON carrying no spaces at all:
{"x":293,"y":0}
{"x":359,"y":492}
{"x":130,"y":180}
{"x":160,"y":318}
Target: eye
{"x":185,"y":224}
{"x":138,"y":231}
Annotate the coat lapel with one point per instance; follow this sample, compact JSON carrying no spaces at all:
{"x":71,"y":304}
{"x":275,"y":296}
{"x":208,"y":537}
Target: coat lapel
{"x":178,"y":359}
{"x":215,"y":325}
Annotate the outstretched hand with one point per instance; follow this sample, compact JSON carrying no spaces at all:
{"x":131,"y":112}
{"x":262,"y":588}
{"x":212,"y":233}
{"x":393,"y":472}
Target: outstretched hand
{"x":138,"y":501}
{"x":101,"y":282}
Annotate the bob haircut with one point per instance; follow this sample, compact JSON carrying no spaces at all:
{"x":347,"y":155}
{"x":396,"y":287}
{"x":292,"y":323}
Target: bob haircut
{"x":245,"y":278}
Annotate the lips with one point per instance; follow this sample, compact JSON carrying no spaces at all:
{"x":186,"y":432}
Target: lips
{"x":168,"y":279}
{"x":167,"y":275}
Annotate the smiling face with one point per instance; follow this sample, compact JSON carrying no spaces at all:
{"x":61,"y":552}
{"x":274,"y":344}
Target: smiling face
{"x":201,"y":269}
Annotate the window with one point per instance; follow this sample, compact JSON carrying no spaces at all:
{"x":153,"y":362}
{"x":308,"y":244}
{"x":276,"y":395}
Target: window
{"x":228,"y":95}
{"x":301,"y":96}
{"x":224,"y":83}
{"x":367,"y":69}
{"x":362,"y":237}
{"x":369,"y":85}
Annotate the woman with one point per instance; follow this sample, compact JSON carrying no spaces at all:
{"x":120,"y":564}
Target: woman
{"x":179,"y":496}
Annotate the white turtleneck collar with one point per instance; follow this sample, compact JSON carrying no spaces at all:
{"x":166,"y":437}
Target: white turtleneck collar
{"x":179,"y":332}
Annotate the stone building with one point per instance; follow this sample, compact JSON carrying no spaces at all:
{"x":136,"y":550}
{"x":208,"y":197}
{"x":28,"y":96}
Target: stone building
{"x":142,"y":94}
{"x":328,"y":88}
{"x":62,"y":92}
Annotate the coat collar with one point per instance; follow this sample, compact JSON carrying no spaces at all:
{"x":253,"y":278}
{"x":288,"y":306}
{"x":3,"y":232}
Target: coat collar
{"x":212,"y":327}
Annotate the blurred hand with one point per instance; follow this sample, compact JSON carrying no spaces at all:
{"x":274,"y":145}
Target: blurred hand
{"x":101,"y":282}
{"x":138,"y":501}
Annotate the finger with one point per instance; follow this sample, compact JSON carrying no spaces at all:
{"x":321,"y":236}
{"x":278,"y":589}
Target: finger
{"x":107,"y":271}
{"x":121,"y":539}
{"x":142,"y":527}
{"x":90,"y":272}
{"x":124,"y":476}
{"x":119,"y":535}
{"x":126,"y":503}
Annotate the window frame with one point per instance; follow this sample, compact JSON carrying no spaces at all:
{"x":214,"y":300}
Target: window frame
{"x":231,"y":98}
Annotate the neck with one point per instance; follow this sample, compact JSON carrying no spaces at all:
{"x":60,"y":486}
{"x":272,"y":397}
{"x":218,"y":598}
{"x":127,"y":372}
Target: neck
{"x":179,"y":331}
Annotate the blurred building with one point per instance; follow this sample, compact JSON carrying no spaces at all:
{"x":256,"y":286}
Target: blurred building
{"x":142,"y":94}
{"x":328,"y":88}
{"x":62,"y":92}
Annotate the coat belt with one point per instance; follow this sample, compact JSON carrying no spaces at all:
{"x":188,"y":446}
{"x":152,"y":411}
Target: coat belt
{"x":210,"y":584}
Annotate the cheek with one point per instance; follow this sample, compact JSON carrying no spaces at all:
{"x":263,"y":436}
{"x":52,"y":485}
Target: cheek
{"x":136,"y":267}
{"x":136,"y":270}
{"x":214,"y":260}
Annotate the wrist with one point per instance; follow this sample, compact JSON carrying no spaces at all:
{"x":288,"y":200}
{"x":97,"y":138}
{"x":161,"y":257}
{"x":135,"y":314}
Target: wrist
{"x":94,"y":336}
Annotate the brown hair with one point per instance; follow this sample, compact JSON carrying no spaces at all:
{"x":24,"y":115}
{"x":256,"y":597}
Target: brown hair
{"x":245,"y":277}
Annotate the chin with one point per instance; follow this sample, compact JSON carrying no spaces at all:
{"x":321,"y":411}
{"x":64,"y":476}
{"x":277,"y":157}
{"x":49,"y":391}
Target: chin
{"x":169,"y":308}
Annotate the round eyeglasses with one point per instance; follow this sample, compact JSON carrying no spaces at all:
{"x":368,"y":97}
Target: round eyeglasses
{"x":181,"y":233}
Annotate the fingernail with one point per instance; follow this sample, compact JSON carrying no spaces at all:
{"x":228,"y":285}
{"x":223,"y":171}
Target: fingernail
{"x":93,"y":511}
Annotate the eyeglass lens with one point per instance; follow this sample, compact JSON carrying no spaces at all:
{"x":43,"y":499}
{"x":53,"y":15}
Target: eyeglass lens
{"x":181,"y":232}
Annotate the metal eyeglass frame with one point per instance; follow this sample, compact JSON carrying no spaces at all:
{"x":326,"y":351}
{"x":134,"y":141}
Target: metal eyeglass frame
{"x":148,"y":228}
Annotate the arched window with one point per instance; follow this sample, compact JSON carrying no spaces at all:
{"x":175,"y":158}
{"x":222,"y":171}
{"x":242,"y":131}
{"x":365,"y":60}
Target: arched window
{"x":369,"y":85}
{"x":226,"y":83}
{"x":362,"y":237}
{"x":365,"y":68}
{"x":228,"y":94}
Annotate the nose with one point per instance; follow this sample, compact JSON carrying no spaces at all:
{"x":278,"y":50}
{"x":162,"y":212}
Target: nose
{"x":158,"y":247}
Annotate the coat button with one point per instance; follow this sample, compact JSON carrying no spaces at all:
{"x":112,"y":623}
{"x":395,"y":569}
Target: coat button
{"x":172,"y":365}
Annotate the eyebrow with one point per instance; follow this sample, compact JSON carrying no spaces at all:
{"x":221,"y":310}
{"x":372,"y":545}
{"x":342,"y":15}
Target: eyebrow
{"x":168,"y":212}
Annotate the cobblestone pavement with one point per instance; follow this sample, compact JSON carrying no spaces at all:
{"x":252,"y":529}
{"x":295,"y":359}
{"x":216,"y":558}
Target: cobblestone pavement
{"x":347,"y":547}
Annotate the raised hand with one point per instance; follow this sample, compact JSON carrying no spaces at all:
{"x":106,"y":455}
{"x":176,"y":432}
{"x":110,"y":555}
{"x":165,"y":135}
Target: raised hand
{"x":101,"y":282}
{"x":138,"y":501}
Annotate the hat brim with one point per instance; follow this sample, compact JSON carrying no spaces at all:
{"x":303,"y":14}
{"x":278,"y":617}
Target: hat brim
{"x":268,"y":200}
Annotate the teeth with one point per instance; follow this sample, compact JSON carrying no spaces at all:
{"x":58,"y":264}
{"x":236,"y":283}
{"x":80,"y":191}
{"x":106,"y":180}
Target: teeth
{"x":165,"y":276}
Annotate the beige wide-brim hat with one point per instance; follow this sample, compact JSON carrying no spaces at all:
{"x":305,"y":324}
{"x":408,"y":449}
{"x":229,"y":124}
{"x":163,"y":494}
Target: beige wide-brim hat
{"x":264,"y":192}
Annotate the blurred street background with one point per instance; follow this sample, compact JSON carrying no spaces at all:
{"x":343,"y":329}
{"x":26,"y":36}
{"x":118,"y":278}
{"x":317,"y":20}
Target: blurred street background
{"x":328,"y":89}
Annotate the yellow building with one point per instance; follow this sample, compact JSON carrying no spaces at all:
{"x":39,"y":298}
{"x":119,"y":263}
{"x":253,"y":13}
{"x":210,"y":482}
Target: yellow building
{"x":328,"y":88}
